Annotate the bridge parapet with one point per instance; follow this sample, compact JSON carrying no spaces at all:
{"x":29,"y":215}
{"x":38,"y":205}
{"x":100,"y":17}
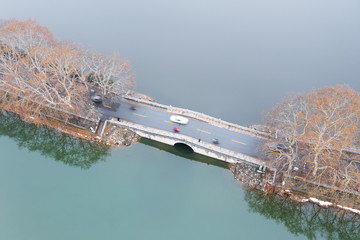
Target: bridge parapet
{"x":202,"y":117}
{"x":203,"y":148}
{"x":150,"y":103}
{"x":217,"y":122}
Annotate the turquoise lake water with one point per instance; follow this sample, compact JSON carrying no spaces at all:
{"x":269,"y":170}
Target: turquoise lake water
{"x":57,"y":187}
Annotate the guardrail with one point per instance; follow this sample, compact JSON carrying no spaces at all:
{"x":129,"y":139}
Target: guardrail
{"x":92,"y":119}
{"x":143,"y":101}
{"x":318,"y":184}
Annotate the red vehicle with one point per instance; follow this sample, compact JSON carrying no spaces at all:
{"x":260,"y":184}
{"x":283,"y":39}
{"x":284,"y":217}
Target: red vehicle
{"x":176,"y":129}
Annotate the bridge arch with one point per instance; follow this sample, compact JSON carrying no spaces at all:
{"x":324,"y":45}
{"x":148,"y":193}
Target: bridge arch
{"x":183,"y":148}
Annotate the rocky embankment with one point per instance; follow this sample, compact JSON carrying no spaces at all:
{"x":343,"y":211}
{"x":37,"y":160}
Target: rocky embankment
{"x":119,"y":136}
{"x":251,"y":177}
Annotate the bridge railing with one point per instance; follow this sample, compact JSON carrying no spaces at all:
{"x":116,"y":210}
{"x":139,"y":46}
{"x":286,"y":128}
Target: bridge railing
{"x":150,"y":103}
{"x":217,"y":122}
{"x":202,"y":117}
{"x":190,"y":141}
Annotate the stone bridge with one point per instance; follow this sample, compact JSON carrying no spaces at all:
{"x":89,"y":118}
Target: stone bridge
{"x":207,"y":148}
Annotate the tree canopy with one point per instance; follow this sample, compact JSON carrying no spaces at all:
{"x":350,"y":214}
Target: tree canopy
{"x":317,"y":131}
{"x":37,"y":67}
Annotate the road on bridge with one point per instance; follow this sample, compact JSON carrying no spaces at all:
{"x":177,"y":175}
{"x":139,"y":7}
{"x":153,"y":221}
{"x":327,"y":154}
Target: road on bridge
{"x":203,"y":131}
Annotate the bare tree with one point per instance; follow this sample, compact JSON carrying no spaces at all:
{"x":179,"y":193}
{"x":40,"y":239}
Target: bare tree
{"x":333,"y":122}
{"x":288,"y":121}
{"x":315,"y":129}
{"x":110,"y":74}
{"x":37,"y":67}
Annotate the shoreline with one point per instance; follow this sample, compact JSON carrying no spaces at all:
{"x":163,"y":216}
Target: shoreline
{"x":111,"y":137}
{"x":116,"y":136}
{"x":249,"y":177}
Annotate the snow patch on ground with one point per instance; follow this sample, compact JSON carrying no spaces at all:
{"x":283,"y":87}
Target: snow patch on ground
{"x":349,"y":209}
{"x":321,"y":203}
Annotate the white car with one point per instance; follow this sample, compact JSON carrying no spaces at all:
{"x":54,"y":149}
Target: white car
{"x":179,"y":119}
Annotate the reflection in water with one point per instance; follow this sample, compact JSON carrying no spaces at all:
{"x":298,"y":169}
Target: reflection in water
{"x":51,"y":143}
{"x":184,"y":152}
{"x":308,"y":220}
{"x":305,"y":219}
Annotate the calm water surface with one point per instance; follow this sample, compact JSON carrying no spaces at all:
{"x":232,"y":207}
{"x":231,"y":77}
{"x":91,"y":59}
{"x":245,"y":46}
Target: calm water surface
{"x":57,"y":187}
{"x":230,"y":59}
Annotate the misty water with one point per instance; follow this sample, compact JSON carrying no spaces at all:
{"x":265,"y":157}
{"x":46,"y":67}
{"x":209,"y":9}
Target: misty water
{"x":229,"y":59}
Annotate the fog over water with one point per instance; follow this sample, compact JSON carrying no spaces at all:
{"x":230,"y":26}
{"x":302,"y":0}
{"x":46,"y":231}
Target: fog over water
{"x":232,"y":59}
